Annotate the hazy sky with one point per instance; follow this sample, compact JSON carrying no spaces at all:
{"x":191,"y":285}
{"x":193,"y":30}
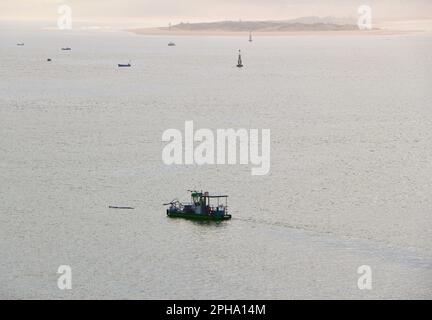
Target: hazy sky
{"x":152,"y":12}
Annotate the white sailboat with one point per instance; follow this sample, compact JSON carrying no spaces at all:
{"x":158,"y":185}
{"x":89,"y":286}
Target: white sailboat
{"x":171,"y":43}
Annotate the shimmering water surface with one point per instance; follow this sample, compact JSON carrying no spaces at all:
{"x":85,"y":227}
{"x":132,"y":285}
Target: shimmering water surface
{"x":350,"y":181}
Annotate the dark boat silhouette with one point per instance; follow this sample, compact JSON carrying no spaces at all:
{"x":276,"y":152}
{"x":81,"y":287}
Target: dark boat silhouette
{"x":124,"y":65}
{"x":239,"y":61}
{"x":200,"y":207}
{"x":20,"y":44}
{"x":66,"y":49}
{"x":121,"y":208}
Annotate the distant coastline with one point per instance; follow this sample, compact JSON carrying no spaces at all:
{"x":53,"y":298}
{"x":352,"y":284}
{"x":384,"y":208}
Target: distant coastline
{"x":303,"y":26}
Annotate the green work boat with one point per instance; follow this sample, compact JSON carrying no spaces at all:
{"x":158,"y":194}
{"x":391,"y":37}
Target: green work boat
{"x":200,"y":207}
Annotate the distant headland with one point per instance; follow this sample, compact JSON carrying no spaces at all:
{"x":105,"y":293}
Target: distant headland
{"x":269,"y":27}
{"x":300,"y":26}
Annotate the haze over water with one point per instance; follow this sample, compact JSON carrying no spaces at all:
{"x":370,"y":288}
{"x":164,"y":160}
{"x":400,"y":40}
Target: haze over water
{"x":349,"y":185}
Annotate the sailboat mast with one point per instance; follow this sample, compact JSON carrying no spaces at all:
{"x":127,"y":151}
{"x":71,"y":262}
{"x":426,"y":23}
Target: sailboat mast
{"x":239,"y":62}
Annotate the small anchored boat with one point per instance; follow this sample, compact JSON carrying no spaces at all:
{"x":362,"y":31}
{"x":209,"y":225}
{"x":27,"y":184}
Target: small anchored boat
{"x":124,"y":208}
{"x":239,"y":61}
{"x":49,"y":59}
{"x":250,"y":36}
{"x":171,"y":43}
{"x":124,"y":65}
{"x":200,"y":207}
{"x":66,"y":49}
{"x":20,"y":44}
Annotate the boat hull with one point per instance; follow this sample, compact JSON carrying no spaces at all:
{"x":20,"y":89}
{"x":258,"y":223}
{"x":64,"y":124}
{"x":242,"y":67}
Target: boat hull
{"x":194,"y":216}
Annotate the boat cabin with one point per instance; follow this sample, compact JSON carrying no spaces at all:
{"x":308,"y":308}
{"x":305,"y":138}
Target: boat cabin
{"x":203,"y":203}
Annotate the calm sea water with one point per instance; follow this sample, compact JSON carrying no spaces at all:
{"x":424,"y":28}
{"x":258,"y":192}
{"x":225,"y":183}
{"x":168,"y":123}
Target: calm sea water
{"x":350,"y":180}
